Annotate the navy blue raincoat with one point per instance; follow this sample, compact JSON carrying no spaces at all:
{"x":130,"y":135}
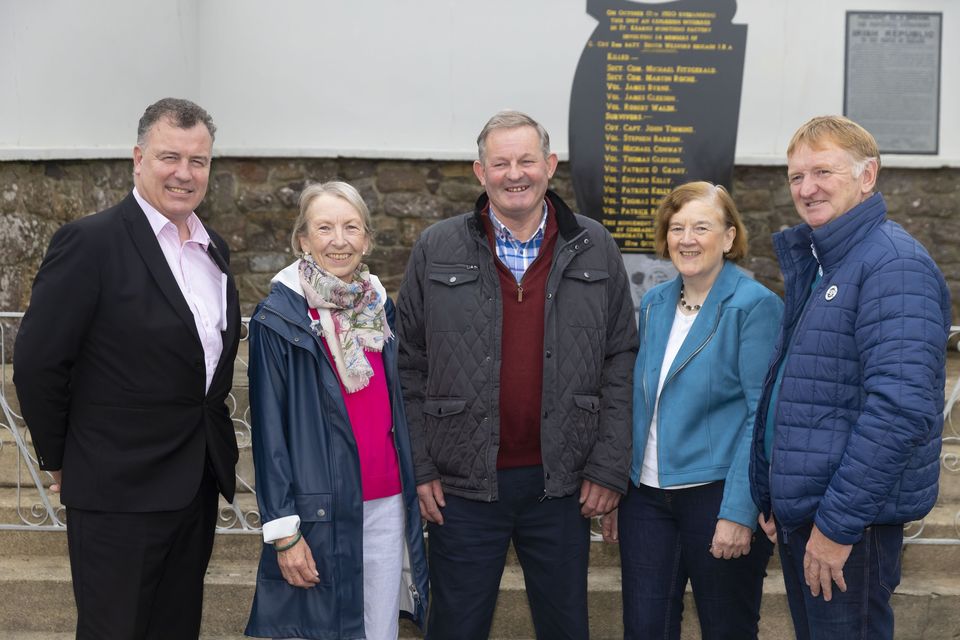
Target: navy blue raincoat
{"x":306,"y":465}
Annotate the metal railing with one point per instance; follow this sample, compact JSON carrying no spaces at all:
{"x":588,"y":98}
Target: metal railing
{"x":949,"y":464}
{"x":26,"y":503}
{"x":25,"y":500}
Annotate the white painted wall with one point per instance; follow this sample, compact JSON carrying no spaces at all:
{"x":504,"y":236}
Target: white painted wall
{"x":384,"y":78}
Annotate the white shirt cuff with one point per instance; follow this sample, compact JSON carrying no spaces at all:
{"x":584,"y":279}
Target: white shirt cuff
{"x":280,"y":528}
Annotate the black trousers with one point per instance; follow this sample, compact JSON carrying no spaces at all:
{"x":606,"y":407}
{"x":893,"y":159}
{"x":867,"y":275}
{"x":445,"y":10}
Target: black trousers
{"x":467,"y":555}
{"x":139,"y":576}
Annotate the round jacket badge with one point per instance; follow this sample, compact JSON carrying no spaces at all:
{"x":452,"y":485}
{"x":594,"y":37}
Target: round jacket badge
{"x":831,"y":292}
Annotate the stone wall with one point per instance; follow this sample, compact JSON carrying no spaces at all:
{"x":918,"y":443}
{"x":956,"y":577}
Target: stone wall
{"x":252,"y":204}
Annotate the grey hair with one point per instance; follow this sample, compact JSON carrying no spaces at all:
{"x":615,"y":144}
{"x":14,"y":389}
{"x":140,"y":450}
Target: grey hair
{"x":334,"y":188}
{"x":183,"y":113}
{"x":510,"y":119}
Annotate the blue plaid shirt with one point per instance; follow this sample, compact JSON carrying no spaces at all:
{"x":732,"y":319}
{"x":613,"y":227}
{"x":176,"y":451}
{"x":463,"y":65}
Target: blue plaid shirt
{"x":518,"y":256}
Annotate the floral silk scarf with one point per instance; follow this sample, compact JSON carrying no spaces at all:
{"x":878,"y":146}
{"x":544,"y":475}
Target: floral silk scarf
{"x":351,"y":318}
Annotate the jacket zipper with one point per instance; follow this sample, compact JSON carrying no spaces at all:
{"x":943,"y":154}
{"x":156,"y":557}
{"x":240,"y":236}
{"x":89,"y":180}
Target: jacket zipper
{"x":559,"y":252}
{"x":680,"y":368}
{"x":786,"y":350}
{"x":495,"y":292}
{"x":646,"y":328}
{"x":698,"y":350}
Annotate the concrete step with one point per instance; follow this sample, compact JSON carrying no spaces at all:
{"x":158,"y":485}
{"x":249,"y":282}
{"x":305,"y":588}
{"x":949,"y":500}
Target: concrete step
{"x":238,"y":546}
{"x":38,"y":600}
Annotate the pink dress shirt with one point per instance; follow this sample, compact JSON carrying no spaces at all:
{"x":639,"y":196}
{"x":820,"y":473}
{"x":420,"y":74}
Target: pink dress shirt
{"x":203,"y":285}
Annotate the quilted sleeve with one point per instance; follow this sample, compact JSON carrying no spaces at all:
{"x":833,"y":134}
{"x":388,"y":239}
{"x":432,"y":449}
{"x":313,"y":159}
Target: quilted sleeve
{"x":413,"y":359}
{"x":901,"y":339}
{"x":609,"y":462}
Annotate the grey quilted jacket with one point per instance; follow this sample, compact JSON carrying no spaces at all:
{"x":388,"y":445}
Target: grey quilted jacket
{"x":449,"y":323}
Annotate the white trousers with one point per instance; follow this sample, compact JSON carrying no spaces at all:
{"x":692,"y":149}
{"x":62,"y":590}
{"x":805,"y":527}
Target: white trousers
{"x":383,"y":535}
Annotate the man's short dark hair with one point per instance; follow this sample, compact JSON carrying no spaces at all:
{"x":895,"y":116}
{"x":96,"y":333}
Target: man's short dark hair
{"x":182,"y":113}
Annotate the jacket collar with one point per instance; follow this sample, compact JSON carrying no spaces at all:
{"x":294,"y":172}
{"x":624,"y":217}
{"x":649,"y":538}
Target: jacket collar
{"x":567,"y":223}
{"x":833,"y":241}
{"x":663,"y":305}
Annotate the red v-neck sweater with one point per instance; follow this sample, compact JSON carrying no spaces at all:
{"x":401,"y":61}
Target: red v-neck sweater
{"x":521,"y":351}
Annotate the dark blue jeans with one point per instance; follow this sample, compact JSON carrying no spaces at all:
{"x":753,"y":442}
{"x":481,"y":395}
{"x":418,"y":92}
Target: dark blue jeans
{"x":863,"y":612}
{"x":665,"y":535}
{"x":467,"y":554}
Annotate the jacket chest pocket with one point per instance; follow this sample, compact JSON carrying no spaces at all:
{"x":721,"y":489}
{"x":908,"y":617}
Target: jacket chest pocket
{"x":453,"y":296}
{"x":582,"y":300}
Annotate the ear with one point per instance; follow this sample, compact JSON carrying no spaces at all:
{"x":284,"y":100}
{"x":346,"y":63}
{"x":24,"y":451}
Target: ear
{"x":868,"y":179}
{"x":137,"y":159}
{"x":552,"y":161}
{"x":478,"y":171}
{"x":728,"y":237}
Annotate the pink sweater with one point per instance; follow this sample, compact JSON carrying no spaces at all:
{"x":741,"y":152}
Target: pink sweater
{"x":372,"y":421}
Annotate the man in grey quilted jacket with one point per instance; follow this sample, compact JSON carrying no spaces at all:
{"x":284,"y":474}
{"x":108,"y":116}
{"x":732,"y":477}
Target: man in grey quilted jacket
{"x":517,"y":344}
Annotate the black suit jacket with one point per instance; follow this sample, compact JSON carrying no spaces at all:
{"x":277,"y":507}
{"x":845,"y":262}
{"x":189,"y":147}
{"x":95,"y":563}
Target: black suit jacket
{"x":110,"y":373}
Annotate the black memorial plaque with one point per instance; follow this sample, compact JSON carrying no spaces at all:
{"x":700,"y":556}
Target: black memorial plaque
{"x":655,"y":103}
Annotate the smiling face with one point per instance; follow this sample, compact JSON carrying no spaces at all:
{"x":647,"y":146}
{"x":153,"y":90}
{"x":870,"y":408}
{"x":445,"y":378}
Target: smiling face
{"x":335,"y":236}
{"x":171,"y":168}
{"x":697,"y":238}
{"x":823,"y":183}
{"x":515,"y":174}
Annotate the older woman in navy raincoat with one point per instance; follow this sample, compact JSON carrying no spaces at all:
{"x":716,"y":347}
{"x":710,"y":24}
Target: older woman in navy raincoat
{"x":343,"y":551}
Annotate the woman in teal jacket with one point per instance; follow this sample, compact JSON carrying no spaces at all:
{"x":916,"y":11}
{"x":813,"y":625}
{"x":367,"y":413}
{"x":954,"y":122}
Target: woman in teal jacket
{"x":705,"y":342}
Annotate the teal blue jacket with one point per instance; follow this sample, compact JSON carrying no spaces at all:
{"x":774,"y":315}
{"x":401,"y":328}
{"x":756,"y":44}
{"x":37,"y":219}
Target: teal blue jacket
{"x":708,"y":402}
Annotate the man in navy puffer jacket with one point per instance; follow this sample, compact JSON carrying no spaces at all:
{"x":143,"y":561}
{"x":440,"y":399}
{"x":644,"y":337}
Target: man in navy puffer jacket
{"x":848,"y":433}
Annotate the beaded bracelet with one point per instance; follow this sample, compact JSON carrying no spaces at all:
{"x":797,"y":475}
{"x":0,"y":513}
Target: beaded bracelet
{"x":289,"y":545}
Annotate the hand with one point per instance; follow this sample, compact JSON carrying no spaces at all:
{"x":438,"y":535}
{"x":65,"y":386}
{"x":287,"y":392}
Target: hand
{"x":823,"y":564}
{"x":730,"y":540}
{"x":596,"y":499}
{"x":296,"y":563}
{"x":431,"y":501}
{"x":769,"y":527}
{"x":608,"y":527}
{"x":57,"y":480}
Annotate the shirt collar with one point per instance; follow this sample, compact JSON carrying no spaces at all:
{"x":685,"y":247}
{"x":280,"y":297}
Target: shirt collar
{"x":158,"y":221}
{"x":504,"y":233}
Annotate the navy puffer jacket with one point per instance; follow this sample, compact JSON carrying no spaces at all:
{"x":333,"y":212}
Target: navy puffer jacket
{"x":859,"y":413}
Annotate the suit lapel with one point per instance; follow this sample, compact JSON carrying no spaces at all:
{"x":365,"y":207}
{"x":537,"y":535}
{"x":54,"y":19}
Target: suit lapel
{"x":228,"y":335}
{"x":149,"y":248}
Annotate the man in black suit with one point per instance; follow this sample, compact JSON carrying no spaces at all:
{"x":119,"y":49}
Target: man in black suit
{"x":122,"y":365}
